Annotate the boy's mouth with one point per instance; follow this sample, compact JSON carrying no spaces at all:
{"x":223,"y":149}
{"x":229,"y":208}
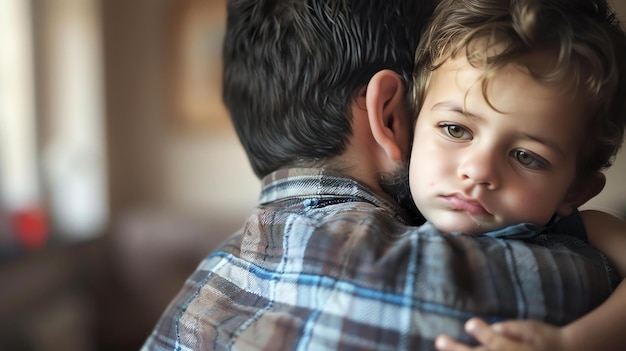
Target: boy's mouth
{"x":458,"y":202}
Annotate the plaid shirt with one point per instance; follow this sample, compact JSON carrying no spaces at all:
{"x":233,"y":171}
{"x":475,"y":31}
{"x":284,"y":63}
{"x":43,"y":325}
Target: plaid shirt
{"x":324,"y":264}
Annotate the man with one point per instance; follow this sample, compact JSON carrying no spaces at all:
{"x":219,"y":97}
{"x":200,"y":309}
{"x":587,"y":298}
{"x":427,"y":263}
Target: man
{"x":318,"y":93}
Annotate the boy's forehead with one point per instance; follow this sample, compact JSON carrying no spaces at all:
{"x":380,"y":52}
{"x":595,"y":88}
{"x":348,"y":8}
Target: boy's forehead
{"x":512,"y":89}
{"x":539,"y":65}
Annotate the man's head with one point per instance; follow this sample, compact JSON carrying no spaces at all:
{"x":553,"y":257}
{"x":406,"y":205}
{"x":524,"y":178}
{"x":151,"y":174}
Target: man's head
{"x":522,"y":104}
{"x":292,"y":69}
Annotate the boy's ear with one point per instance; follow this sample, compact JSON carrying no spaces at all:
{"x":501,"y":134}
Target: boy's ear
{"x":387,"y":113}
{"x":581,"y":192}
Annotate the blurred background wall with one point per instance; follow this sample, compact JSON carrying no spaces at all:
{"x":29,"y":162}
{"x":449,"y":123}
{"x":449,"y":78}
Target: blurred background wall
{"x":129,"y":172}
{"x":133,"y":172}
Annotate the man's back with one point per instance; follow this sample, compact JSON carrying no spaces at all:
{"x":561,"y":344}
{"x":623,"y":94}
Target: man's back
{"x":324,"y":264}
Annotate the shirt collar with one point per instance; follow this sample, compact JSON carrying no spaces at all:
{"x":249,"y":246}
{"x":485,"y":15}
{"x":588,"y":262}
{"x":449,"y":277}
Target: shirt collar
{"x":318,"y":183}
{"x":518,"y":231}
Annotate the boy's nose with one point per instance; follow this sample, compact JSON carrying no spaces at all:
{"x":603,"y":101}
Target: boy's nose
{"x":480,"y":168}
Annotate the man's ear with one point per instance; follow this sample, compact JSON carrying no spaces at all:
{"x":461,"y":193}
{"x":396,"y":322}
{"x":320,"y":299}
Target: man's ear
{"x":387,"y":113}
{"x":582,"y":191}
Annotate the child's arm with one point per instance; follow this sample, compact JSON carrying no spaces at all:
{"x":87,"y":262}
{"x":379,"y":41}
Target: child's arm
{"x":601,"y":329}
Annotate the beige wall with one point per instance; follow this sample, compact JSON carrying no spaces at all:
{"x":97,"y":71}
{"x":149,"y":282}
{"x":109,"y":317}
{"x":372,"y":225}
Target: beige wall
{"x":154,"y":162}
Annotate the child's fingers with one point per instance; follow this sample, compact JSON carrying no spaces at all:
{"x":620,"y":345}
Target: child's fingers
{"x":491,"y":339}
{"x":518,"y":330}
{"x":446,"y":343}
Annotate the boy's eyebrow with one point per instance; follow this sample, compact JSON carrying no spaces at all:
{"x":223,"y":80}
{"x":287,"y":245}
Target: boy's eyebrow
{"x":547,"y":143}
{"x":455,"y":107}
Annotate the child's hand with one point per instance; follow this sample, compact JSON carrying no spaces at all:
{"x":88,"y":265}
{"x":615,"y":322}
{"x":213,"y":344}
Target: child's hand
{"x":510,"y":335}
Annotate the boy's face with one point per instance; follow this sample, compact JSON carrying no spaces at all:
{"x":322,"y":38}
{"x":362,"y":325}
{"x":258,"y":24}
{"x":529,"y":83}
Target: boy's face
{"x":487,"y":169}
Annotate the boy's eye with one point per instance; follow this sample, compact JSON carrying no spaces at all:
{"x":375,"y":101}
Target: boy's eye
{"x":456,"y":131}
{"x":528,"y":160}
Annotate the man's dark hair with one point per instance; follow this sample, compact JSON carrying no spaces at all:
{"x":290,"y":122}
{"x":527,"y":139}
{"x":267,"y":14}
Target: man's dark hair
{"x":292,"y":67}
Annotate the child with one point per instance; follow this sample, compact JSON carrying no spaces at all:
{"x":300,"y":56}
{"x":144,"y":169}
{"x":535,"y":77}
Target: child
{"x":523,"y":103}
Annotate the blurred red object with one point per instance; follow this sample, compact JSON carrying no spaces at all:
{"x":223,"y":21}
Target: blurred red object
{"x":30,"y":227}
